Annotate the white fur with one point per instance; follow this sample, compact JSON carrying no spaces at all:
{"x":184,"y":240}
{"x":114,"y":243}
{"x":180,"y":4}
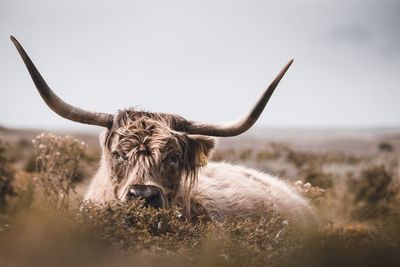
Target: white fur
{"x":101,"y":189}
{"x":227,"y":190}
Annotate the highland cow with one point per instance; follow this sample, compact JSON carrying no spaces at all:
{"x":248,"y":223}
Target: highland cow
{"x":162,"y":159}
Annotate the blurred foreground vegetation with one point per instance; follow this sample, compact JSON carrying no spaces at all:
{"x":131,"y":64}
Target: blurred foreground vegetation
{"x":42,"y":224}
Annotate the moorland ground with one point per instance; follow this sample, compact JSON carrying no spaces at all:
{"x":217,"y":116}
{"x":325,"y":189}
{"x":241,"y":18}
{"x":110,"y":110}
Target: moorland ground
{"x":353,"y":176}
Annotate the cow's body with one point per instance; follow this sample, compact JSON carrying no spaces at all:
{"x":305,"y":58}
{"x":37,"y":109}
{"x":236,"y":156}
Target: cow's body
{"x":162,"y":158}
{"x":227,"y":191}
{"x":232,"y":191}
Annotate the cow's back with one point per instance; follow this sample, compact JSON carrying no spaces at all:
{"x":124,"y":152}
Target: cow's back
{"x":231,"y":191}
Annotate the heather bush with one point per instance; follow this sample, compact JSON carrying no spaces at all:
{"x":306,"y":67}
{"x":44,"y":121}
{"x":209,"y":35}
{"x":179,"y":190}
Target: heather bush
{"x":58,"y":167}
{"x":314,"y":175}
{"x":6,"y":175}
{"x":133,"y":226}
{"x":303,"y":159}
{"x":386,"y":147}
{"x":309,"y":192}
{"x":224,"y":155}
{"x":374,"y":191}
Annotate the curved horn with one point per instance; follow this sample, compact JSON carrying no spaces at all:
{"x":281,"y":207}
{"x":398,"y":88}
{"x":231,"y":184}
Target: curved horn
{"x":60,"y":107}
{"x":244,"y":123}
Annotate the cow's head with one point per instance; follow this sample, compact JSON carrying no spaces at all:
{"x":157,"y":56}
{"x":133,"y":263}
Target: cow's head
{"x":153,"y":156}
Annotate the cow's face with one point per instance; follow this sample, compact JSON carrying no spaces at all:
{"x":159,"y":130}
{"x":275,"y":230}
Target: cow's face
{"x":152,"y":161}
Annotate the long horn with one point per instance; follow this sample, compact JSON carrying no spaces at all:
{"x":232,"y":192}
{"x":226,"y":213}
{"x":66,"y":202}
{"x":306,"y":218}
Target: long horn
{"x":244,"y":123}
{"x":60,"y":107}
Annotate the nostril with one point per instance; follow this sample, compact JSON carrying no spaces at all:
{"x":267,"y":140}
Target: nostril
{"x":133,"y":192}
{"x":151,"y":194}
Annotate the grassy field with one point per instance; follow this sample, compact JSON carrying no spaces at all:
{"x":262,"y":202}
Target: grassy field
{"x":354,"y":177}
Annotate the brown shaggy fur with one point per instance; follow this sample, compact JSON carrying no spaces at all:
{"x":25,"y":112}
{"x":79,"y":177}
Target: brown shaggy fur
{"x":152,"y":148}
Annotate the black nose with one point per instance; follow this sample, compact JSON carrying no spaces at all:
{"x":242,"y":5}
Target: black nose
{"x":151,"y":194}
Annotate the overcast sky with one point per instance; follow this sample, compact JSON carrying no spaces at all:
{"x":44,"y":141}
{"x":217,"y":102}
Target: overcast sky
{"x":205,"y":60}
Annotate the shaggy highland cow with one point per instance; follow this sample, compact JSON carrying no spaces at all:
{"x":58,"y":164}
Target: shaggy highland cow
{"x":162,"y":158}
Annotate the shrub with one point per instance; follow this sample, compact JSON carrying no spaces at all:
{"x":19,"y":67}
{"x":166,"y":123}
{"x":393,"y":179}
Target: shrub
{"x":245,"y":154}
{"x":308,"y":191}
{"x":385,"y":147}
{"x":6,"y":175}
{"x":58,"y":166}
{"x":373,"y":192}
{"x":133,"y":226}
{"x":221,"y":155}
{"x":314,"y":175}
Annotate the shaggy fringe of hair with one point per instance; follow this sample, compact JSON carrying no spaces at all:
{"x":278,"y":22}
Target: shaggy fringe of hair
{"x":189,"y":184}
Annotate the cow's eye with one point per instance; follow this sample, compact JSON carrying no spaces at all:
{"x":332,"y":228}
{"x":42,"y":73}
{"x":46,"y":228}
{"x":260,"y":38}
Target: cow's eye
{"x":118,"y":156}
{"x":173,"y":160}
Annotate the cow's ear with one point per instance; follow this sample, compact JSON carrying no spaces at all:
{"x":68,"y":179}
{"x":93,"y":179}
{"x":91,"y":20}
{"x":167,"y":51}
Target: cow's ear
{"x":200,"y":148}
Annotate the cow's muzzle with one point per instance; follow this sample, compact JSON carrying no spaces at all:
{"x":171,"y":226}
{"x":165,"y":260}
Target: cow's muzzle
{"x":152,"y":195}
